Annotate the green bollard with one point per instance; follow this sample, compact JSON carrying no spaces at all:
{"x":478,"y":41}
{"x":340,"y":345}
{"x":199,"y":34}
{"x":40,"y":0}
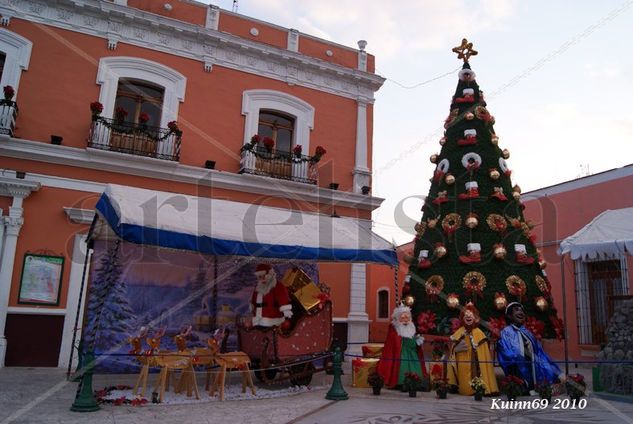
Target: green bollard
{"x":337,"y":392}
{"x":597,"y":385}
{"x":84,"y":398}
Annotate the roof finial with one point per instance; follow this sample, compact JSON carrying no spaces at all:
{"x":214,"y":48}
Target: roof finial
{"x":465,"y":50}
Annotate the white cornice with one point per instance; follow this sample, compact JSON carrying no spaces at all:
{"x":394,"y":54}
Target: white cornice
{"x":17,"y":187}
{"x":172,"y":171}
{"x":79,"y":216}
{"x":133,"y":26}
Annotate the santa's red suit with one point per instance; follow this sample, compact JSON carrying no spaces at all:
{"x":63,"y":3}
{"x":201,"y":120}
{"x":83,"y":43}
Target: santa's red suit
{"x":389,"y":365}
{"x":270,"y":303}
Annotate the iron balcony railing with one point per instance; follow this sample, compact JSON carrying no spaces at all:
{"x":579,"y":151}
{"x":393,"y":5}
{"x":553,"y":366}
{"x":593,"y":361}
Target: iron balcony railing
{"x":278,"y":164}
{"x":8,"y":115}
{"x":134,"y":139}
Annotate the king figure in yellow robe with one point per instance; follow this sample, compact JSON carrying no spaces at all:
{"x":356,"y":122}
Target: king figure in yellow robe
{"x":469,"y":355}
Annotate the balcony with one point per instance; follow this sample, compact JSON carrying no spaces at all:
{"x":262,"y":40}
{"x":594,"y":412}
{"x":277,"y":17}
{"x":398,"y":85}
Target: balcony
{"x":135,"y":139}
{"x":8,"y":115}
{"x":278,"y":164}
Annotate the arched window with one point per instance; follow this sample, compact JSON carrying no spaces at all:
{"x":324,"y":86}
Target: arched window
{"x":383,"y":304}
{"x":278,"y":126}
{"x":137,"y":97}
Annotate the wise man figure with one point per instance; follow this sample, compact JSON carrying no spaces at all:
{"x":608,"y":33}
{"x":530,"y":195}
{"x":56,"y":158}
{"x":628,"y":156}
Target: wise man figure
{"x":521,"y":355}
{"x":469,"y":355}
{"x":402,"y":352}
{"x":270,"y":302}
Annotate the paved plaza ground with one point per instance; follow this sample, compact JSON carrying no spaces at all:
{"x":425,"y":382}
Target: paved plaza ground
{"x":42,"y":395}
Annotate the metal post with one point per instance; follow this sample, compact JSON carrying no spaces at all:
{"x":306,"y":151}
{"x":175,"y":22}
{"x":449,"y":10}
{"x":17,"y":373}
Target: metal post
{"x":84,"y":399}
{"x":337,"y":392}
{"x":566,"y":339}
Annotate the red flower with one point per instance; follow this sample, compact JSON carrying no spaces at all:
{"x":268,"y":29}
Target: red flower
{"x":255,"y":139}
{"x":120,"y":113}
{"x":557,"y":323}
{"x":426,"y":322}
{"x":96,"y":108}
{"x":269,"y":143}
{"x":495,"y":326}
{"x":323,"y":298}
{"x":143,"y":118}
{"x":9,"y":92}
{"x":455,"y":324}
{"x":535,"y":326}
{"x":320,"y":151}
{"x":297,"y":150}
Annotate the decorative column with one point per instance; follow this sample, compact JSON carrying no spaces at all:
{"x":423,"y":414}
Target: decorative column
{"x":13,"y":222}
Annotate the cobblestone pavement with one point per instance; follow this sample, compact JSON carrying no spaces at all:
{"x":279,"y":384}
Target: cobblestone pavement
{"x":42,"y":395}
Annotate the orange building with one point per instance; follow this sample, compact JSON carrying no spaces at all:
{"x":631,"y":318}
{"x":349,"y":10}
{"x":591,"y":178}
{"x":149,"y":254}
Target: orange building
{"x":592,"y":286}
{"x":181,"y":89}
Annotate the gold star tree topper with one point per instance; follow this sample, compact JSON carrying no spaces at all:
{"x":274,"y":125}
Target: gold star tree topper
{"x":465,"y":50}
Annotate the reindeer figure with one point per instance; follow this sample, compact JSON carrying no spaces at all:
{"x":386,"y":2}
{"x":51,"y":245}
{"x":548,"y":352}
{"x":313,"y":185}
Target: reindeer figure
{"x":230,"y":360}
{"x":137,"y":350}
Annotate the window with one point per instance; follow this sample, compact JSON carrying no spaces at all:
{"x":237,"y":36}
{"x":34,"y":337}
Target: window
{"x":3,"y":57}
{"x":294,"y":118}
{"x":135,"y":79}
{"x":597,"y":283}
{"x":383,"y":304}
{"x":16,"y":54}
{"x":138,"y":97}
{"x":279,"y":127}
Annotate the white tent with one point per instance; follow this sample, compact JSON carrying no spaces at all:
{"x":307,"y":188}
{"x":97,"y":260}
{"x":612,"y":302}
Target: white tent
{"x":607,"y":235}
{"x":222,"y":227}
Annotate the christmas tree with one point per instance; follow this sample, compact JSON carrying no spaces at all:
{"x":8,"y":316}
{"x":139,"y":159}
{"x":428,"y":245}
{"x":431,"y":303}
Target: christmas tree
{"x":473,"y":243}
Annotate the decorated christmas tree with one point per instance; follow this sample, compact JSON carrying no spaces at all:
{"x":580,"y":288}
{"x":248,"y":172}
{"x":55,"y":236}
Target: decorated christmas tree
{"x":473,"y":243}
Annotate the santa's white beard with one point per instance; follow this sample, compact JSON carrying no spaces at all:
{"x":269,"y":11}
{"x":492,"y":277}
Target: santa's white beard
{"x":405,"y":330}
{"x":266,"y":287}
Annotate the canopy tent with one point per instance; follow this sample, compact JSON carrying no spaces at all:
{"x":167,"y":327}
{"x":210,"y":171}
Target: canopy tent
{"x":222,"y":227}
{"x":607,"y":235}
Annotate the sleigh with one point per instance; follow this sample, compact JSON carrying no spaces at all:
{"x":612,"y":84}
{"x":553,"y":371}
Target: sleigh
{"x":293,"y":355}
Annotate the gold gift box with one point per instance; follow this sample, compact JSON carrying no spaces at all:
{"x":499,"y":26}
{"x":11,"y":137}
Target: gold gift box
{"x":302,"y":288}
{"x":372,"y":350}
{"x":361,"y":369}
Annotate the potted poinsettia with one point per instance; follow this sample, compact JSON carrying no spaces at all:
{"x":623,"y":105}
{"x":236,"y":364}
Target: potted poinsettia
{"x":575,"y":386}
{"x":440,"y":385}
{"x":544,"y":390}
{"x":376,"y":382}
{"x":479,"y":386}
{"x":412,"y":382}
{"x":512,"y":386}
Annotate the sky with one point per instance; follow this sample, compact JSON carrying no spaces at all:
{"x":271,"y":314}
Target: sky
{"x":556,"y":75}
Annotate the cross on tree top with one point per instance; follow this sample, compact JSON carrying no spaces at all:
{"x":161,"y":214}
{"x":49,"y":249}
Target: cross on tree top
{"x":465,"y":50}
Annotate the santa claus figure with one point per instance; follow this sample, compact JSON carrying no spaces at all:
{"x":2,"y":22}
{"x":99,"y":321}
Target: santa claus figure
{"x":402,"y":352}
{"x":270,"y":303}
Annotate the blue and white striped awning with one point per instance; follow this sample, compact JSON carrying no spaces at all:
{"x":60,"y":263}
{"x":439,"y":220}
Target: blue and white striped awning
{"x":222,"y":227}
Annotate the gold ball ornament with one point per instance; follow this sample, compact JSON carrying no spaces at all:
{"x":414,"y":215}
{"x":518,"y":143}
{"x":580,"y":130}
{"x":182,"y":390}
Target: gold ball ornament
{"x":440,"y":251}
{"x":472,"y":222}
{"x":500,"y":301}
{"x":442,"y":141}
{"x":516,"y":195}
{"x":494,"y":140}
{"x":541,"y":303}
{"x":433,"y":158}
{"x":452,"y":301}
{"x":449,"y":179}
{"x":469,"y":116}
{"x":505,"y":153}
{"x":499,"y":252}
{"x":408,"y":300}
{"x":494,"y":174}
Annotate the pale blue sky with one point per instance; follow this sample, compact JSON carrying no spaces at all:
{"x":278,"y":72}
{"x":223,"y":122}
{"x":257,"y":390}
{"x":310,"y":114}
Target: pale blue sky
{"x":557,"y":76}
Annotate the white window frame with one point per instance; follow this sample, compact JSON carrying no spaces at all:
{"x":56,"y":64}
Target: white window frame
{"x":583,"y":305}
{"x":112,"y":69}
{"x":253,"y":101}
{"x":17,"y":50}
{"x":378,"y":318}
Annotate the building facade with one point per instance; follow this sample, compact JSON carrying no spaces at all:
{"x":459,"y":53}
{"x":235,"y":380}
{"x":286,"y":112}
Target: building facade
{"x":167,"y":97}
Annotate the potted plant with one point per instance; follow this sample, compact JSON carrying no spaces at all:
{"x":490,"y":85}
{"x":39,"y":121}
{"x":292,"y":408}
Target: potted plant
{"x":512,"y":386}
{"x":269,"y":144}
{"x":412,"y":383}
{"x":376,"y":382}
{"x":478,"y":385}
{"x":318,"y":154}
{"x":544,"y":390}
{"x":440,"y":385}
{"x":575,"y":386}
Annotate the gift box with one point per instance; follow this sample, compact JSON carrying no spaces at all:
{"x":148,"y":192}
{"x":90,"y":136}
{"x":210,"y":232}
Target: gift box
{"x":302,"y":289}
{"x":361,"y":369}
{"x":372,"y":350}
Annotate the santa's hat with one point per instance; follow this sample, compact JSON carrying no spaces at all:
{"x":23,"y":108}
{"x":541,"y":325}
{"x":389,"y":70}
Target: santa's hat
{"x":472,"y":308}
{"x":513,"y":305}
{"x":263,"y":267}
